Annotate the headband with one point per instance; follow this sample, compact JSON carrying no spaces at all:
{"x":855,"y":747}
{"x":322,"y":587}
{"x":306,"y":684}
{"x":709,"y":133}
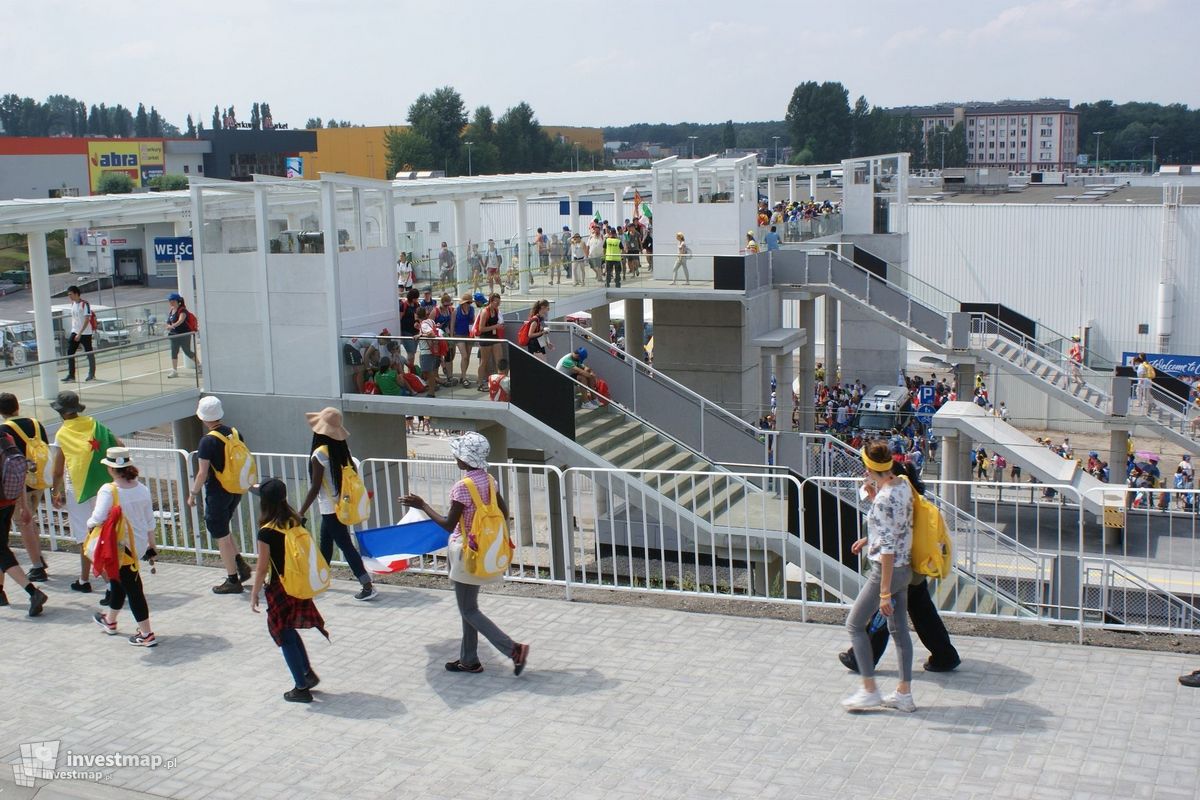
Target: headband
{"x":876,"y":466}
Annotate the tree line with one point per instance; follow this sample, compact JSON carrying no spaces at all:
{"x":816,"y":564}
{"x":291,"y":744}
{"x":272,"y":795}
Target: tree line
{"x":440,"y":136}
{"x":63,"y":115}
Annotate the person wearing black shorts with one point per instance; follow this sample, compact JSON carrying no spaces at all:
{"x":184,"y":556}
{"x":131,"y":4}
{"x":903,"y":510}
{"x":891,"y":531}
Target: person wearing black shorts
{"x":219,"y":504}
{"x":23,"y":429}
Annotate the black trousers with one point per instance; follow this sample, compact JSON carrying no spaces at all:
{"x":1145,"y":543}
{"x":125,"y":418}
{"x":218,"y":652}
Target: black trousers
{"x":928,"y":625}
{"x":130,"y":586}
{"x":611,"y":268}
{"x":86,"y":343}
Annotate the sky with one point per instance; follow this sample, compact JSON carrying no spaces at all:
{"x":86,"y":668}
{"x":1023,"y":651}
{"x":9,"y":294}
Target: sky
{"x":589,"y":63}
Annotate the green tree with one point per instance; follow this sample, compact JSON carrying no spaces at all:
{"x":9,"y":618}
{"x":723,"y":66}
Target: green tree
{"x":191,"y":127}
{"x":255,"y":119}
{"x":216,"y":119}
{"x":440,"y":118}
{"x":860,"y":127}
{"x":524,"y":146}
{"x":114,"y":183}
{"x":141,"y":122}
{"x":156,"y":122}
{"x":406,"y":150}
{"x":94,"y":125}
{"x":728,"y":136}
{"x":818,"y":117}
{"x":313,"y":122}
{"x":484,"y":154}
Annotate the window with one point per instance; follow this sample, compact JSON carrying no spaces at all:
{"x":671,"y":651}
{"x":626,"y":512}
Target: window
{"x":185,"y":169}
{"x":1047,"y":120}
{"x":435,"y":227}
{"x":199,"y":168}
{"x":410,"y":227}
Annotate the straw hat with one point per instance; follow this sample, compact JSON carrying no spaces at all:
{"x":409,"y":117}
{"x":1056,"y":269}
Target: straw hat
{"x":117,"y":457}
{"x":328,"y":422}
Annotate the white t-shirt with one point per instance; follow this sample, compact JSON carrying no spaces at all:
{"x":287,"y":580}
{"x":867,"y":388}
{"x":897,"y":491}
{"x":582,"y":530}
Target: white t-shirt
{"x":325,"y":498}
{"x":577,"y":251}
{"x":136,"y":506}
{"x":427,"y":328}
{"x":595,"y":246}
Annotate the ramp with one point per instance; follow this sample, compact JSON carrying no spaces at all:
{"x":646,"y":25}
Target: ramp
{"x":1034,"y":459}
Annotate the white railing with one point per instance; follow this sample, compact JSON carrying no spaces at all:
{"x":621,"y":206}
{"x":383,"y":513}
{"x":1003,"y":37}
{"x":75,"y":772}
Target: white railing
{"x":704,"y":533}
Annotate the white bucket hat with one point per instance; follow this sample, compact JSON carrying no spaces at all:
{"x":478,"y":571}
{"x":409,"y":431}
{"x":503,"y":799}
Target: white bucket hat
{"x":210,"y":409}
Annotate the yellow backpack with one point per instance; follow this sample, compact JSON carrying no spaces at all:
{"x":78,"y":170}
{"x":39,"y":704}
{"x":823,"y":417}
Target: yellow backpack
{"x":931,"y":545}
{"x":37,"y":455}
{"x":305,"y":571}
{"x":240,"y":471}
{"x":353,"y":503}
{"x":487,"y":551}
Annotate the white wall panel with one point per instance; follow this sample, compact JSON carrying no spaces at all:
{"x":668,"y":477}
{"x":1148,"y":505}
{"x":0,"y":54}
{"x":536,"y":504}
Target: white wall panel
{"x":1064,"y":265}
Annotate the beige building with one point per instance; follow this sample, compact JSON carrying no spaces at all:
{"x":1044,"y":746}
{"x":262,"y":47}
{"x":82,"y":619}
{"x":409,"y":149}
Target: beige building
{"x":1019,"y":135}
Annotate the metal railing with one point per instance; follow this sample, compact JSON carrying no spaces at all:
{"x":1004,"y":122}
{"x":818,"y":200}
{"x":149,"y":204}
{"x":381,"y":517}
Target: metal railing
{"x":699,"y":532}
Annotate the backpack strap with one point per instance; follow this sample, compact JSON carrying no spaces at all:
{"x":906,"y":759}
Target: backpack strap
{"x":474,"y":490}
{"x":8,"y":423}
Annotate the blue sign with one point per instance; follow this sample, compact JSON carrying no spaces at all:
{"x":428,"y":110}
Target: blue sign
{"x":173,"y":248}
{"x":564,"y":208}
{"x":926,"y":395}
{"x":925,"y":414}
{"x":1169,"y":364}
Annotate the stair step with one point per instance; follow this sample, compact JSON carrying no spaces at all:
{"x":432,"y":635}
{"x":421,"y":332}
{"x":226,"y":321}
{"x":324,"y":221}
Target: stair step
{"x":965,"y":601}
{"x":657,"y":457}
{"x":985,"y":603}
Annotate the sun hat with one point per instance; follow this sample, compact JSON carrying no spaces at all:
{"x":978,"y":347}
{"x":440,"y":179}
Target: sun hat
{"x":210,"y":409}
{"x":466,"y":298}
{"x":271,"y":489}
{"x":67,"y":402}
{"x":328,"y":422}
{"x":117,"y":457}
{"x":472,"y":449}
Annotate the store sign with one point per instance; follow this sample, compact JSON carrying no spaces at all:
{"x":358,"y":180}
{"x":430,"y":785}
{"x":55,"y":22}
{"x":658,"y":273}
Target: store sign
{"x":1169,"y":364}
{"x":294,"y":166}
{"x":173,"y":248}
{"x":141,"y":161}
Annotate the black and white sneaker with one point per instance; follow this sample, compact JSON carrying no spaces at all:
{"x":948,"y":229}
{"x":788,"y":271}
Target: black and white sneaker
{"x":37,"y":574}
{"x":369,"y":592}
{"x":140,"y":639}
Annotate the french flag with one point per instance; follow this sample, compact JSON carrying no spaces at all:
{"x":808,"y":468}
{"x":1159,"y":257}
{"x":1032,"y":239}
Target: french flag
{"x":391,"y":549}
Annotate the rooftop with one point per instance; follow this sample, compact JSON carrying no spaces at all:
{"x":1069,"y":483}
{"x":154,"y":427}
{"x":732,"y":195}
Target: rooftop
{"x":1059,"y":195}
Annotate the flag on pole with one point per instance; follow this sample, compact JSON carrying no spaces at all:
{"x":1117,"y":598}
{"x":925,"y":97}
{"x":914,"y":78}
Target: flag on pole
{"x":637,"y":204}
{"x":646,"y":211}
{"x":84,"y":442}
{"x":391,"y":549}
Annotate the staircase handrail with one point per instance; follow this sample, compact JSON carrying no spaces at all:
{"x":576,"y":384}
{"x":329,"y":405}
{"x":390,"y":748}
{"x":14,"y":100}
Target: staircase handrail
{"x":987,"y":325}
{"x":1111,"y":569}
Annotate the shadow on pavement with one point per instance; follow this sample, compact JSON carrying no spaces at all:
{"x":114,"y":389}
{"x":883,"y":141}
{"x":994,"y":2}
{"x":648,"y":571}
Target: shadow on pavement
{"x":183,"y":648}
{"x":356,"y":705}
{"x":458,"y":690}
{"x":995,"y":717}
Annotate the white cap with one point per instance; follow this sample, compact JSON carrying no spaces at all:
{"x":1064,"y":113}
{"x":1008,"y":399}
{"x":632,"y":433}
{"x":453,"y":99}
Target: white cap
{"x":210,"y":409}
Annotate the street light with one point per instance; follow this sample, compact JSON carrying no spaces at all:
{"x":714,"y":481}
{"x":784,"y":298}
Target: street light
{"x":1097,"y":134}
{"x":469,"y":172}
{"x":577,"y":156}
{"x":776,"y":138}
{"x":693,"y":138}
{"x":942,"y":133}
{"x":1153,"y":153}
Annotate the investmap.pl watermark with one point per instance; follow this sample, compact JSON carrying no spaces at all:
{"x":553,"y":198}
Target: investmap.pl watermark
{"x":47,"y":761}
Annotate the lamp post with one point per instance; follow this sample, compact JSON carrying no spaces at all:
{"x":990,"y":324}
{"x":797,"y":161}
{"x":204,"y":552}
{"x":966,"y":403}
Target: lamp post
{"x":776,"y":138}
{"x":942,"y":133}
{"x":693,"y":141}
{"x":1097,"y":134}
{"x":577,"y":156}
{"x":1153,"y":153}
{"x":469,"y":166}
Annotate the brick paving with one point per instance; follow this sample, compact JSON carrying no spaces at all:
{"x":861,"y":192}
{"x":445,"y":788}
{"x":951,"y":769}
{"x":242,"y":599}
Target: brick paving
{"x":617,"y":703}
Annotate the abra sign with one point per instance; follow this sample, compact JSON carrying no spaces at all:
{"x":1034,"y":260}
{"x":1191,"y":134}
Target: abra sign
{"x":173,"y":248}
{"x":1169,"y":364}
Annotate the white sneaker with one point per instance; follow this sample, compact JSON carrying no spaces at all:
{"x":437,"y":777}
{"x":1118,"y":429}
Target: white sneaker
{"x":862,"y":700}
{"x":900,"y":701}
{"x":173,"y":374}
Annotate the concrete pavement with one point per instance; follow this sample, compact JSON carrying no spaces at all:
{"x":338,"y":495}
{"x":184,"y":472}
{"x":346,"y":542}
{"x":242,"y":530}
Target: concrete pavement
{"x":617,"y":703}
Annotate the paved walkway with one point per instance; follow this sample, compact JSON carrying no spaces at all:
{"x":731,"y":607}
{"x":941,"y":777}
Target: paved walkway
{"x":617,"y":703}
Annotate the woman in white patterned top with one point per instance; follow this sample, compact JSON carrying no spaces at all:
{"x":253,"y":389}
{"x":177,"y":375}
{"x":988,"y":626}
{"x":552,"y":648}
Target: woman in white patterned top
{"x":889,"y":549}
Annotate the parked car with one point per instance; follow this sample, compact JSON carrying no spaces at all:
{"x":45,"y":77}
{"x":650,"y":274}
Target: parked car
{"x":18,"y":343}
{"x":18,"y":276}
{"x":111,"y":332}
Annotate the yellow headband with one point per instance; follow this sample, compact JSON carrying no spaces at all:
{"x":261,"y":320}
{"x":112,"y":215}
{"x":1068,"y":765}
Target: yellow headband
{"x":871,"y":464}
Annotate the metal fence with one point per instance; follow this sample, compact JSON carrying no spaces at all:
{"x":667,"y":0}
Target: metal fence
{"x":772,"y":537}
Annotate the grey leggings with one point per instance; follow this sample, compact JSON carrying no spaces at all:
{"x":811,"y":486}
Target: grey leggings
{"x":474,"y":623}
{"x":865,"y":606}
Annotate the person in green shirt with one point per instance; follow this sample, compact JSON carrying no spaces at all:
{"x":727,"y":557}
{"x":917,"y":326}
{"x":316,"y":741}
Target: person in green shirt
{"x":386,"y":378}
{"x":612,"y":258}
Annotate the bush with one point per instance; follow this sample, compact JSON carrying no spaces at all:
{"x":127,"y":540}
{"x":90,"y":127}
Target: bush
{"x":114,"y":183}
{"x":169,"y":183}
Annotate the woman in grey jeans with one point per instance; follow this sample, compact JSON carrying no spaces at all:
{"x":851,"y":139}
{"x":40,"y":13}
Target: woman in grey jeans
{"x":471,"y":451}
{"x":889,"y":549}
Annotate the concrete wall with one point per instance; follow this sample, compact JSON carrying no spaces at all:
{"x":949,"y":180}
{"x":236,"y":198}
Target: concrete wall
{"x":33,"y":177}
{"x":367,"y":291}
{"x":705,"y":346}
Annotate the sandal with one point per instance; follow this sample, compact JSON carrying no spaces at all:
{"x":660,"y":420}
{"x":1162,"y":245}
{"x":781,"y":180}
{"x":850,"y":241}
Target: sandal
{"x":458,"y":666}
{"x":481,"y":387}
{"x":465,"y":382}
